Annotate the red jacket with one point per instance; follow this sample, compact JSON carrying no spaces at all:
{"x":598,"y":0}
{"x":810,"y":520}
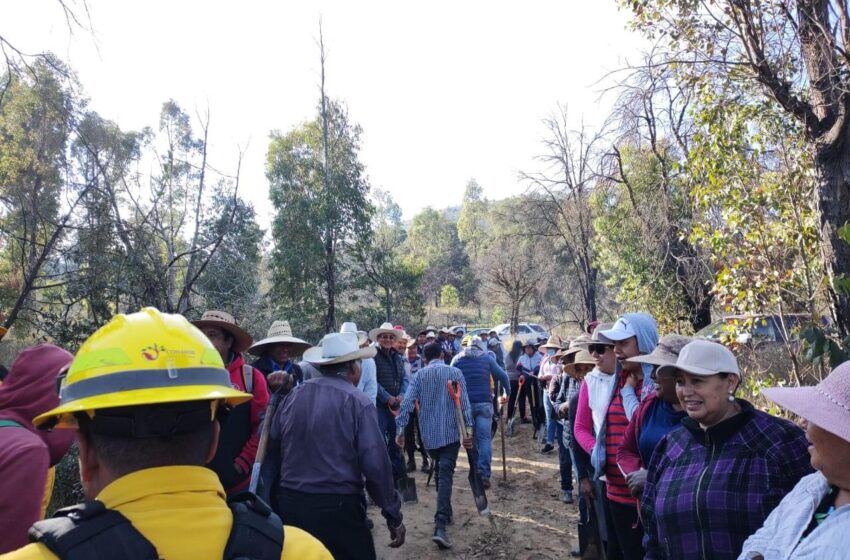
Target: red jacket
{"x":240,"y":432}
{"x":628,"y":455}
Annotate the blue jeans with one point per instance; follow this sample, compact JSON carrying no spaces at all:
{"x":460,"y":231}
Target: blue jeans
{"x":445,"y":459}
{"x":386,"y":422}
{"x":564,"y":458}
{"x":482,"y":418}
{"x":551,"y":419}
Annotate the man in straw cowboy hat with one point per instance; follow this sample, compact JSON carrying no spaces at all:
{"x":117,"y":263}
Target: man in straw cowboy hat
{"x":276,"y":353}
{"x":392,"y":383}
{"x":326,"y":460}
{"x":240,"y":438}
{"x":143,"y":394}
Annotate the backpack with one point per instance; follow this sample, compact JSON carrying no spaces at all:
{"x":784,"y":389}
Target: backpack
{"x":90,"y":531}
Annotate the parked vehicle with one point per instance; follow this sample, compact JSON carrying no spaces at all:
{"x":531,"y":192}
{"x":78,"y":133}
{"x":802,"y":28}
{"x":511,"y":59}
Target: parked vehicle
{"x":525,"y":332}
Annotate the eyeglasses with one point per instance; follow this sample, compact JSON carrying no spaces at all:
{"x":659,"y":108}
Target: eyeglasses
{"x":386,"y":337}
{"x":598,"y":348}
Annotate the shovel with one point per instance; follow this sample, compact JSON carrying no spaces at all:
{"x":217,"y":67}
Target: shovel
{"x":512,"y":421}
{"x":502,"y":432}
{"x":406,"y":484}
{"x":475,"y":482}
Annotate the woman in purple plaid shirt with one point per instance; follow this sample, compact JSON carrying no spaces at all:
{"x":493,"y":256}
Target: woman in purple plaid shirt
{"x":712,"y":483}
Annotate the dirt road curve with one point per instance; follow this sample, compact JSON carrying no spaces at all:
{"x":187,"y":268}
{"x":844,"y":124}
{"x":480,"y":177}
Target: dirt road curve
{"x":527,"y":521}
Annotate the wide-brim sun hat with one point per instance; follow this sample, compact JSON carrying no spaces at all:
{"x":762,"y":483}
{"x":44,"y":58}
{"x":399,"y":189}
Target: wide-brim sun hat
{"x":280,"y":333}
{"x":826,"y":405}
{"x":352,"y":328}
{"x":703,"y":358}
{"x":666,"y":352}
{"x":553,"y":342}
{"x":386,"y":328}
{"x":143,"y":358}
{"x":225,"y":321}
{"x":338,"y":348}
{"x":576,"y":345}
{"x":583,"y":357}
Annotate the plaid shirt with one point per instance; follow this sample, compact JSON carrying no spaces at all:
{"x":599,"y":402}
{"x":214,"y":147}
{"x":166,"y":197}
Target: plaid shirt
{"x":708,"y":490}
{"x":437,"y":416}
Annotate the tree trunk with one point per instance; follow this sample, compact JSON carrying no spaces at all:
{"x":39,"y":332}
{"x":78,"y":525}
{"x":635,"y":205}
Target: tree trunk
{"x":833,"y":169}
{"x":388,"y":305}
{"x":330,"y":287}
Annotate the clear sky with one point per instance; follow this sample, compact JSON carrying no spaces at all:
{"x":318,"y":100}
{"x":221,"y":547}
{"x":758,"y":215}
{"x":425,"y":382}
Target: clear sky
{"x":444,"y":90}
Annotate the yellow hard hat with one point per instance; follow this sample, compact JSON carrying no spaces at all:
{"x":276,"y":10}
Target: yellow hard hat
{"x":141,"y":359}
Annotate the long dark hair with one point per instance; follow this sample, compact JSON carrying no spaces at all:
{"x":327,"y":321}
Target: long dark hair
{"x":516,"y":350}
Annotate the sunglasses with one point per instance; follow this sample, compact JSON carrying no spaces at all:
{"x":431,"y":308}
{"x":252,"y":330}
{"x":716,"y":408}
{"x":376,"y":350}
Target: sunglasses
{"x":598,"y":348}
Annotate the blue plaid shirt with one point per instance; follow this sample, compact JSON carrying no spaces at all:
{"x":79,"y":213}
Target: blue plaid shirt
{"x":437,"y":421}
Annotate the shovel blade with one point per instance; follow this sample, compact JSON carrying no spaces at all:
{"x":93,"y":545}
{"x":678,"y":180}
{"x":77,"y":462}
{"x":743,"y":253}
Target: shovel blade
{"x":407,"y":487}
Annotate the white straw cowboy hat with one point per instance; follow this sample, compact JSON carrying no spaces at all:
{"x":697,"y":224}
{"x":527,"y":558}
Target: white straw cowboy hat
{"x":338,"y":348}
{"x":352,"y":328}
{"x":280,"y":332}
{"x":225,"y":321}
{"x":386,"y":328}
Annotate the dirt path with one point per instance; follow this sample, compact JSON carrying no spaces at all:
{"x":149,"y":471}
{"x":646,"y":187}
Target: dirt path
{"x":527,"y":521}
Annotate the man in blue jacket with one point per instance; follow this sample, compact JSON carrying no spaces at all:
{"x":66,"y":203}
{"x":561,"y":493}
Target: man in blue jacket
{"x":478,"y":365}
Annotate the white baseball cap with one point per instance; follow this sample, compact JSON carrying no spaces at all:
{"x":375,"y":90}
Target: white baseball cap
{"x":622,"y":330}
{"x":703,"y":357}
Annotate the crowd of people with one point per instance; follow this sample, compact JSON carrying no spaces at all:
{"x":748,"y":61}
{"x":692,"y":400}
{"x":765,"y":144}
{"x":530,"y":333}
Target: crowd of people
{"x":195,"y":441}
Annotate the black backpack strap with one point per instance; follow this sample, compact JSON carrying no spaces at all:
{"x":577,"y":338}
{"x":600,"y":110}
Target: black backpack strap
{"x":89,"y":531}
{"x":257,"y":532}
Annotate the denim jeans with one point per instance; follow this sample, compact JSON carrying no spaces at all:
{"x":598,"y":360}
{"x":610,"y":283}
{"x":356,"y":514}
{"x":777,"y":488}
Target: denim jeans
{"x":482,"y":418}
{"x":445,"y":459}
{"x":564,"y":458}
{"x":551,"y":419}
{"x":386,"y":422}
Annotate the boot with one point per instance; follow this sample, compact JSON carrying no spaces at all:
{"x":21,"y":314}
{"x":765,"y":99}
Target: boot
{"x":441,"y":538}
{"x":425,"y":468}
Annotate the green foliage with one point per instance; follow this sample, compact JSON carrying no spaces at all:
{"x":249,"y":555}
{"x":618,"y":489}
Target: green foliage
{"x":824,"y":347}
{"x":230,"y":279}
{"x":633,"y":225}
{"x":449,"y":296}
{"x":499,"y":315}
{"x":386,"y":271}
{"x":433,"y":245}
{"x":754,"y":187}
{"x":316,"y":221}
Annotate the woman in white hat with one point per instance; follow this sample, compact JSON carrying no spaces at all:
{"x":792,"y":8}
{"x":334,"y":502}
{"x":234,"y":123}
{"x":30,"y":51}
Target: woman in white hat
{"x":277,"y":352}
{"x":812,"y":521}
{"x":712,"y":483}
